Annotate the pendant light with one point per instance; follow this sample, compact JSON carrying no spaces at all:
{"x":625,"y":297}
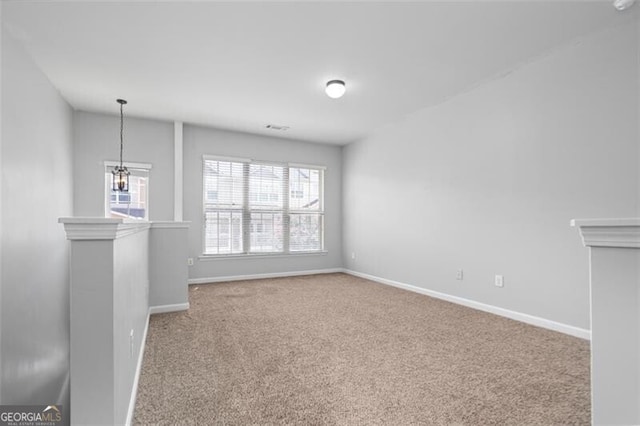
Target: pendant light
{"x":120,"y":181}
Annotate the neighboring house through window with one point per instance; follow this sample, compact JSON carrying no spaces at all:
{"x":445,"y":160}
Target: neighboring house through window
{"x":253,"y":207}
{"x":133,"y":204}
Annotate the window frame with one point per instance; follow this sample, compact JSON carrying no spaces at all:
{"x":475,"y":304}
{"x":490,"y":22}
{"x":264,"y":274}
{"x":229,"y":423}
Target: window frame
{"x":247,"y":210}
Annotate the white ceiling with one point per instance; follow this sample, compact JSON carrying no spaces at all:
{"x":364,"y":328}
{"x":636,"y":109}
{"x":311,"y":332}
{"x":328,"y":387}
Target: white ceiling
{"x":243,"y":65}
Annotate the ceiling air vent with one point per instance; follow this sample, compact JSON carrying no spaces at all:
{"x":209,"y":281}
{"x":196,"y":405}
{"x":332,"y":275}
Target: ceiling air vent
{"x":276,"y":127}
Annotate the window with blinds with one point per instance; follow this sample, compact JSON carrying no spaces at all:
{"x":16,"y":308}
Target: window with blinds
{"x":262,"y":208}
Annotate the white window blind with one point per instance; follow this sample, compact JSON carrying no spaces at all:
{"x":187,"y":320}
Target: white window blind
{"x":223,"y":207}
{"x":305,"y":209}
{"x":254,"y":207}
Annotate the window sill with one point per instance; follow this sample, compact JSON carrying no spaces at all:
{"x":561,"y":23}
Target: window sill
{"x":208,"y":257}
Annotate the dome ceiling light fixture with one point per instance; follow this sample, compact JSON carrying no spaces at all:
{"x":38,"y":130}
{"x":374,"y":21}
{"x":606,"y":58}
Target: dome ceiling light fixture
{"x":623,"y":4}
{"x":335,"y":88}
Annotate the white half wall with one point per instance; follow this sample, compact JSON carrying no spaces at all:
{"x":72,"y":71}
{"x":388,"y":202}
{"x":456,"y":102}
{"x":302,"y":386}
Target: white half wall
{"x":488,"y":181}
{"x":36,"y":190}
{"x":109,"y":316}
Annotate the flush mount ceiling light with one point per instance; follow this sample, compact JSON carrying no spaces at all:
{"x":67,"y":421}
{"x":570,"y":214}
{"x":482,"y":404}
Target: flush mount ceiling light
{"x":623,"y":4}
{"x":120,"y":174}
{"x":335,"y":89}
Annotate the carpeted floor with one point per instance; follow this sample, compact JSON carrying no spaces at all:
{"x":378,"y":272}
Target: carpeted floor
{"x":339,"y":350}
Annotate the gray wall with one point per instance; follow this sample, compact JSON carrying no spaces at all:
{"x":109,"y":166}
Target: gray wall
{"x":36,"y":190}
{"x":97,"y":138}
{"x":489,"y":180}
{"x":168,"y":273}
{"x":200,"y":140}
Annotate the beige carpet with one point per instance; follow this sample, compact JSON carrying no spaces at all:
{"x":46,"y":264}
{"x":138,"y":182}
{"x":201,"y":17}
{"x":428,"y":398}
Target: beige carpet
{"x":339,"y":350}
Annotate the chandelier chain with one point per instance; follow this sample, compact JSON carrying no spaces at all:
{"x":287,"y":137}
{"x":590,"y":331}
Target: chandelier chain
{"x":121,"y":131}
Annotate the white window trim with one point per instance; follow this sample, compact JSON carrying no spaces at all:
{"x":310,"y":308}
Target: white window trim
{"x":223,"y":158}
{"x":307,"y":166}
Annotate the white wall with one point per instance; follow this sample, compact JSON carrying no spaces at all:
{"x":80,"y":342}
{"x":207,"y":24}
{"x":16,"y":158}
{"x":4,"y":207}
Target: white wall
{"x":201,"y":140}
{"x":131,"y":307}
{"x":638,"y":177}
{"x":637,"y":27}
{"x":1,"y":132}
{"x":36,"y":190}
{"x":97,"y":138}
{"x":489,"y":180}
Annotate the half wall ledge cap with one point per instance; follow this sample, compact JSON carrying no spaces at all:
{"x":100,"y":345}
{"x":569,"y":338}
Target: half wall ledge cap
{"x":101,"y":228}
{"x":91,"y":220}
{"x":613,"y":232}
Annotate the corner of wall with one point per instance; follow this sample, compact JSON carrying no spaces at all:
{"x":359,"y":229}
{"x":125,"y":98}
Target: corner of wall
{"x":637,"y":21}
{"x":1,"y":141}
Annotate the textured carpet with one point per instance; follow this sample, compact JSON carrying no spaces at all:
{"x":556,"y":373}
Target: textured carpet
{"x":336,"y":349}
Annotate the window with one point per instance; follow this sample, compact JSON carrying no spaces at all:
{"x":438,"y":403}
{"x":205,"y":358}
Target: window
{"x":133,"y":204}
{"x":305,"y":209}
{"x":261,"y":208}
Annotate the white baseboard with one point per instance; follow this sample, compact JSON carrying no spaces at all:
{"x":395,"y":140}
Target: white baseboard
{"x":526,"y":318}
{"x":168,"y":308}
{"x":261,"y":276}
{"x":136,"y":379}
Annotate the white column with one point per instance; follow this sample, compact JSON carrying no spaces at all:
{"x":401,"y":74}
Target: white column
{"x":178,"y":170}
{"x":614,"y":250}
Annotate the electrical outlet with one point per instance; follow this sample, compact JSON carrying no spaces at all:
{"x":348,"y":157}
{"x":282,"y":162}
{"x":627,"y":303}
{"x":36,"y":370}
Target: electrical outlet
{"x":190,"y":261}
{"x":353,"y":255}
{"x":459,"y":274}
{"x":499,"y":281}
